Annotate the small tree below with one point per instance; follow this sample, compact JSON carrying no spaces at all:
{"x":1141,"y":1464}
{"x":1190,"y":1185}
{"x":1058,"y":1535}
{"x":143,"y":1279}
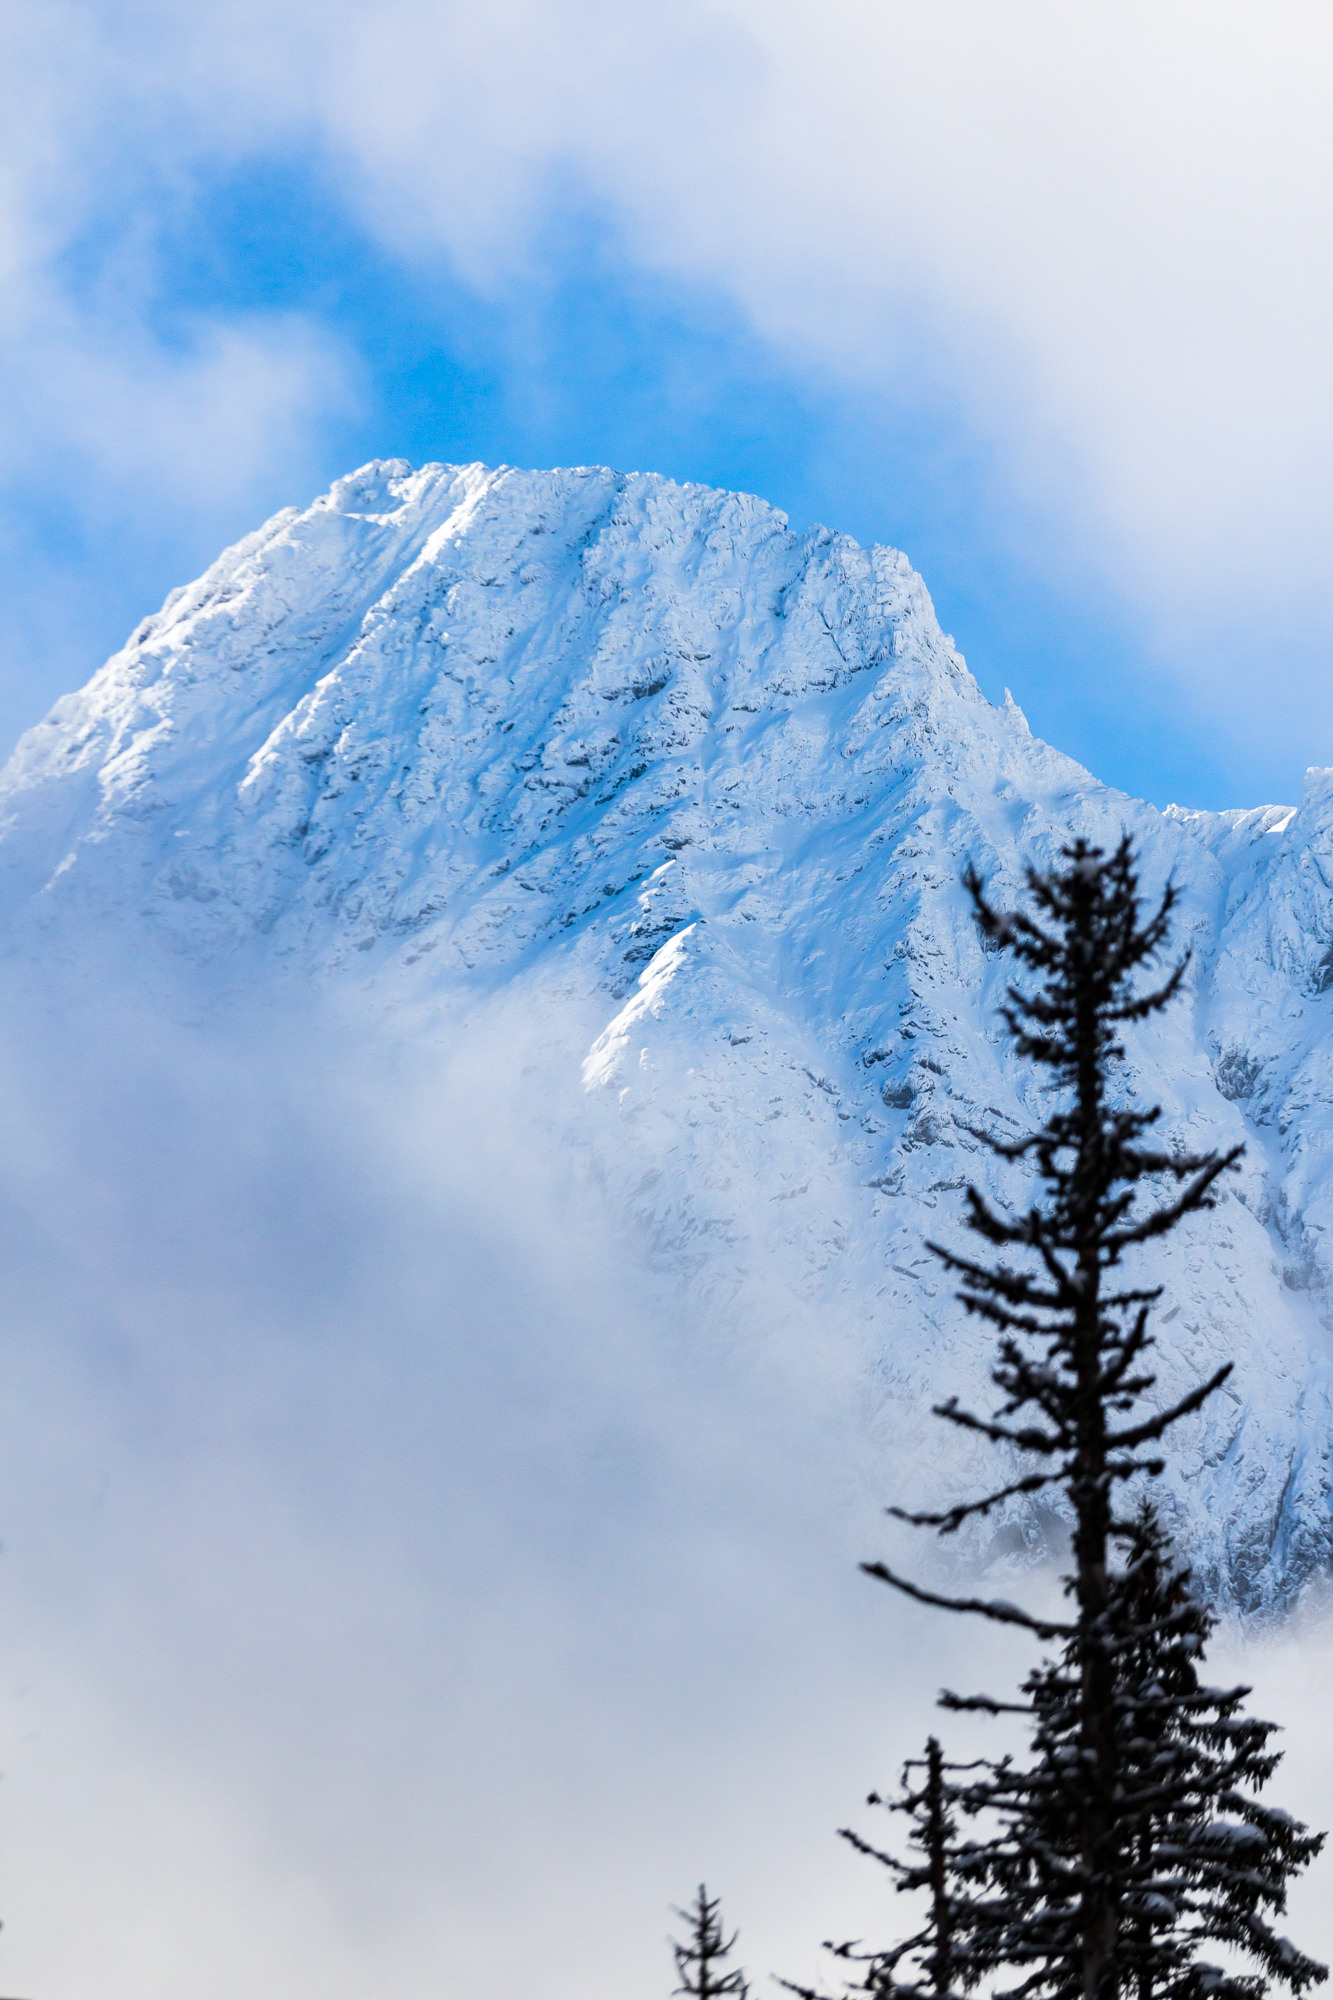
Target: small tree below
{"x":937,"y":1961}
{"x":701,"y":1959}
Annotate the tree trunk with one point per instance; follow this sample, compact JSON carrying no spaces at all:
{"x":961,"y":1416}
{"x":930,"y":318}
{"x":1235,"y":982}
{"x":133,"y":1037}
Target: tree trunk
{"x":1092,"y":1504}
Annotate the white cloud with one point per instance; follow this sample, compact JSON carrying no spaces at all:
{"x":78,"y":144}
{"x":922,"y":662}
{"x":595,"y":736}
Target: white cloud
{"x":397,"y":1594}
{"x":1099,"y":231}
{"x":151,"y":443}
{"x":151,"y":457}
{"x":201,"y":425}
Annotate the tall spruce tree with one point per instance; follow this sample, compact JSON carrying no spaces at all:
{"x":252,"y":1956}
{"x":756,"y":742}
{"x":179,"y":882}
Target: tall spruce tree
{"x":701,"y":1959}
{"x":1132,"y":1837}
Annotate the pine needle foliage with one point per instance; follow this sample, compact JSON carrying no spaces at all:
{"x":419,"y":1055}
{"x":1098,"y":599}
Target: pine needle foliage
{"x":701,"y":1959}
{"x":1115,"y":1860}
{"x":1199,"y":1860}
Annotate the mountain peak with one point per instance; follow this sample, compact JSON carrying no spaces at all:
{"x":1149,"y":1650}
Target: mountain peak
{"x":700,"y":790}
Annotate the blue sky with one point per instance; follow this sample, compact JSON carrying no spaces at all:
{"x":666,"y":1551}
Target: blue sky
{"x":1046,"y":311}
{"x":591,"y":360}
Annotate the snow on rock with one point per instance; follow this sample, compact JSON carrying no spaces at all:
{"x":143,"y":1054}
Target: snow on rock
{"x":638,"y":756}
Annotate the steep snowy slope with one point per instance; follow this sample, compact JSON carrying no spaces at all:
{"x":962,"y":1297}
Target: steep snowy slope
{"x":694,"y":792}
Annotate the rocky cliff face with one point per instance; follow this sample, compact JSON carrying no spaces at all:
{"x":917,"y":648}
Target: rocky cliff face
{"x":695,"y":792}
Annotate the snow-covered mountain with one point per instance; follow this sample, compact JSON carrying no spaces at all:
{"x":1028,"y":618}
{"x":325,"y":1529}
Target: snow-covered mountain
{"x":692,"y":792}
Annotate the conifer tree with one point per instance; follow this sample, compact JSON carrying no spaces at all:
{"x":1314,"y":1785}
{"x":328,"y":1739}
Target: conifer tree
{"x":700,"y":1961}
{"x":1113,"y":1864}
{"x":939,"y":1956}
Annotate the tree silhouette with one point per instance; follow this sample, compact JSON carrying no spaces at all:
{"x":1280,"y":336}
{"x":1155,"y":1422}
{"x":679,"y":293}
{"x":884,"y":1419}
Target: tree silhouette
{"x":1185,"y":1876}
{"x":699,"y":1961}
{"x":939,"y":1956}
{"x":1110,"y":1866}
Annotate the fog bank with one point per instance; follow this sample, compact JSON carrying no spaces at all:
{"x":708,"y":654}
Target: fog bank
{"x":405,"y":1589}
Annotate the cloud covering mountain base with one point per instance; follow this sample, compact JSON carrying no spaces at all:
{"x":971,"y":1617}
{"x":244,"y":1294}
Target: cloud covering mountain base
{"x":397,"y":1589}
{"x":688,"y":795}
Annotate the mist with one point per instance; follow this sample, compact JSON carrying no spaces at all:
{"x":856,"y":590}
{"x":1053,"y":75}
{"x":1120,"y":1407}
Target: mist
{"x":396,"y":1594}
{"x":407,"y":1587}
